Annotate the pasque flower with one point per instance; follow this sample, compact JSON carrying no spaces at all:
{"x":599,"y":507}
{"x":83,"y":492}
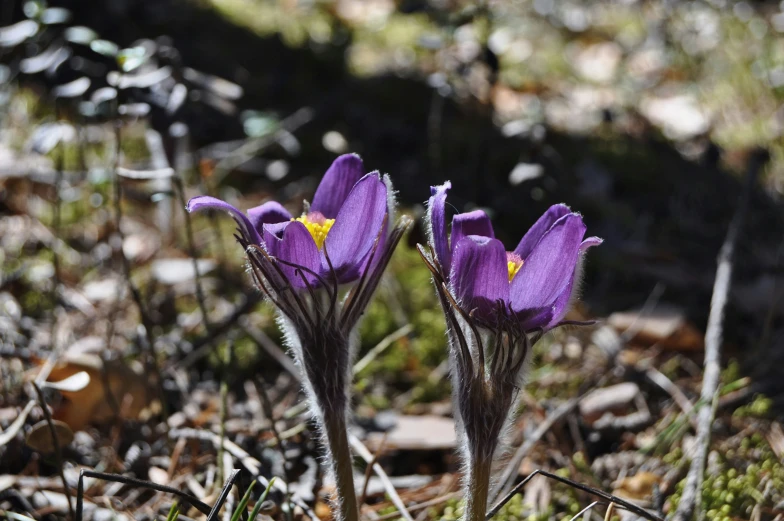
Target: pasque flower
{"x":342,"y":239}
{"x":332,"y":238}
{"x":497,"y":304}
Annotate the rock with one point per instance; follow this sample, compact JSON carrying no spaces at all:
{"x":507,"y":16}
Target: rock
{"x":665,"y":326}
{"x":417,"y":433}
{"x":616,"y":398}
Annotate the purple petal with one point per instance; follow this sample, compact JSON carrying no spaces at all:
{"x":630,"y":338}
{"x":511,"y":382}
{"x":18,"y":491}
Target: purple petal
{"x":564,"y":300}
{"x":471,"y":223}
{"x":273,"y":234}
{"x":536,"y":319}
{"x":268,"y":213}
{"x":480,"y":277}
{"x":436,"y":217}
{"x":562,"y":304}
{"x":205,"y":202}
{"x":372,"y":258}
{"x":337,"y":183}
{"x":549,"y":267}
{"x":590,"y":242}
{"x":357,"y":225}
{"x":291,"y":241}
{"x":540,"y":227}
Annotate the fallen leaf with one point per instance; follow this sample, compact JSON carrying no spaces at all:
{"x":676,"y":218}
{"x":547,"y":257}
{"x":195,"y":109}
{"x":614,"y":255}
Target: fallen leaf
{"x":640,"y":486}
{"x":71,"y":384}
{"x":127,"y":393}
{"x":40,"y":436}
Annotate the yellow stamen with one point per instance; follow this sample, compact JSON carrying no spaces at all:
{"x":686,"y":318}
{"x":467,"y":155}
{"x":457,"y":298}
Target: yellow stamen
{"x":513,"y":264}
{"x":318,"y":230}
{"x":513,"y":268}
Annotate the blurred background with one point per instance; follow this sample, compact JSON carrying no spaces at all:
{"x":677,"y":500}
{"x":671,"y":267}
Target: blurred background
{"x":645,"y":116}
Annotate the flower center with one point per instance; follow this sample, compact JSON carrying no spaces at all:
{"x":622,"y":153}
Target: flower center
{"x":317,"y":225}
{"x":513,"y":264}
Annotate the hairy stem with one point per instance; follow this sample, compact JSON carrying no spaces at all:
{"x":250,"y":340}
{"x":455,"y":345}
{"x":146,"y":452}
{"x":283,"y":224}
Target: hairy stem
{"x":337,"y":439}
{"x":478,"y":489}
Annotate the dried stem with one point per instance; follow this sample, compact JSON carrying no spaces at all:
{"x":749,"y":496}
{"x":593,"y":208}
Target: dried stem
{"x":363,"y":452}
{"x":192,"y":251}
{"x":151,"y":362}
{"x":631,"y":507}
{"x":58,"y":453}
{"x":713,"y":339}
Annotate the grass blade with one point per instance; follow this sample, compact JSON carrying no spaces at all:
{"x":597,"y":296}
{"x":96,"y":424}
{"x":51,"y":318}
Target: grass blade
{"x":257,"y":507}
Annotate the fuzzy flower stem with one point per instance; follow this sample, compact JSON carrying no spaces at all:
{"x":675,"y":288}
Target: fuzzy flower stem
{"x":337,"y":439}
{"x":324,"y":356}
{"x":478,"y":490}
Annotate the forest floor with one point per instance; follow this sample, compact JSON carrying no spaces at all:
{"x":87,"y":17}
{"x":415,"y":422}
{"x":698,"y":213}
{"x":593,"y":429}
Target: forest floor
{"x":132,"y":329}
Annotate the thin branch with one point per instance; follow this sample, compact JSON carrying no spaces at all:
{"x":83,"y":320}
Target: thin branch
{"x":660,"y":379}
{"x":202,"y":346}
{"x":249,"y":462}
{"x":213,"y":515}
{"x":504,"y":483}
{"x":381,"y":346}
{"x":58,"y":453}
{"x":421,"y":506}
{"x":266,"y":343}
{"x":631,"y":507}
{"x":583,"y":511}
{"x":192,"y":251}
{"x":151,"y":362}
{"x":714,"y":336}
{"x":365,"y":454}
{"x":125,"y":480}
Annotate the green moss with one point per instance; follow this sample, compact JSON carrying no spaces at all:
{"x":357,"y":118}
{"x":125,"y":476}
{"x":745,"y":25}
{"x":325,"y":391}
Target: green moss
{"x":760,"y":407}
{"x":737,"y":487}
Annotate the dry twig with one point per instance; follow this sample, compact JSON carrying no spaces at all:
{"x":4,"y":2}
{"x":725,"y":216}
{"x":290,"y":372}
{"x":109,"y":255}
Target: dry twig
{"x":504,"y":483}
{"x":713,"y":340}
{"x":631,"y":507}
{"x":360,"y":449}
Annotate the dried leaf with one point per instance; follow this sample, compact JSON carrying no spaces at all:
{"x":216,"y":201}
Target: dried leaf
{"x":71,"y":384}
{"x":114,"y":388}
{"x":40,"y":436}
{"x":640,"y":486}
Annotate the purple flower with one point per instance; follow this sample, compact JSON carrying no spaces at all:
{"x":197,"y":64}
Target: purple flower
{"x":335,"y":237}
{"x":532,"y":285}
{"x":343,"y":236}
{"x":497,"y":304}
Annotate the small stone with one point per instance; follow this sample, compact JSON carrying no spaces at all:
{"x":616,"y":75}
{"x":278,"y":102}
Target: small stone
{"x":616,"y":398}
{"x":427,"y":432}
